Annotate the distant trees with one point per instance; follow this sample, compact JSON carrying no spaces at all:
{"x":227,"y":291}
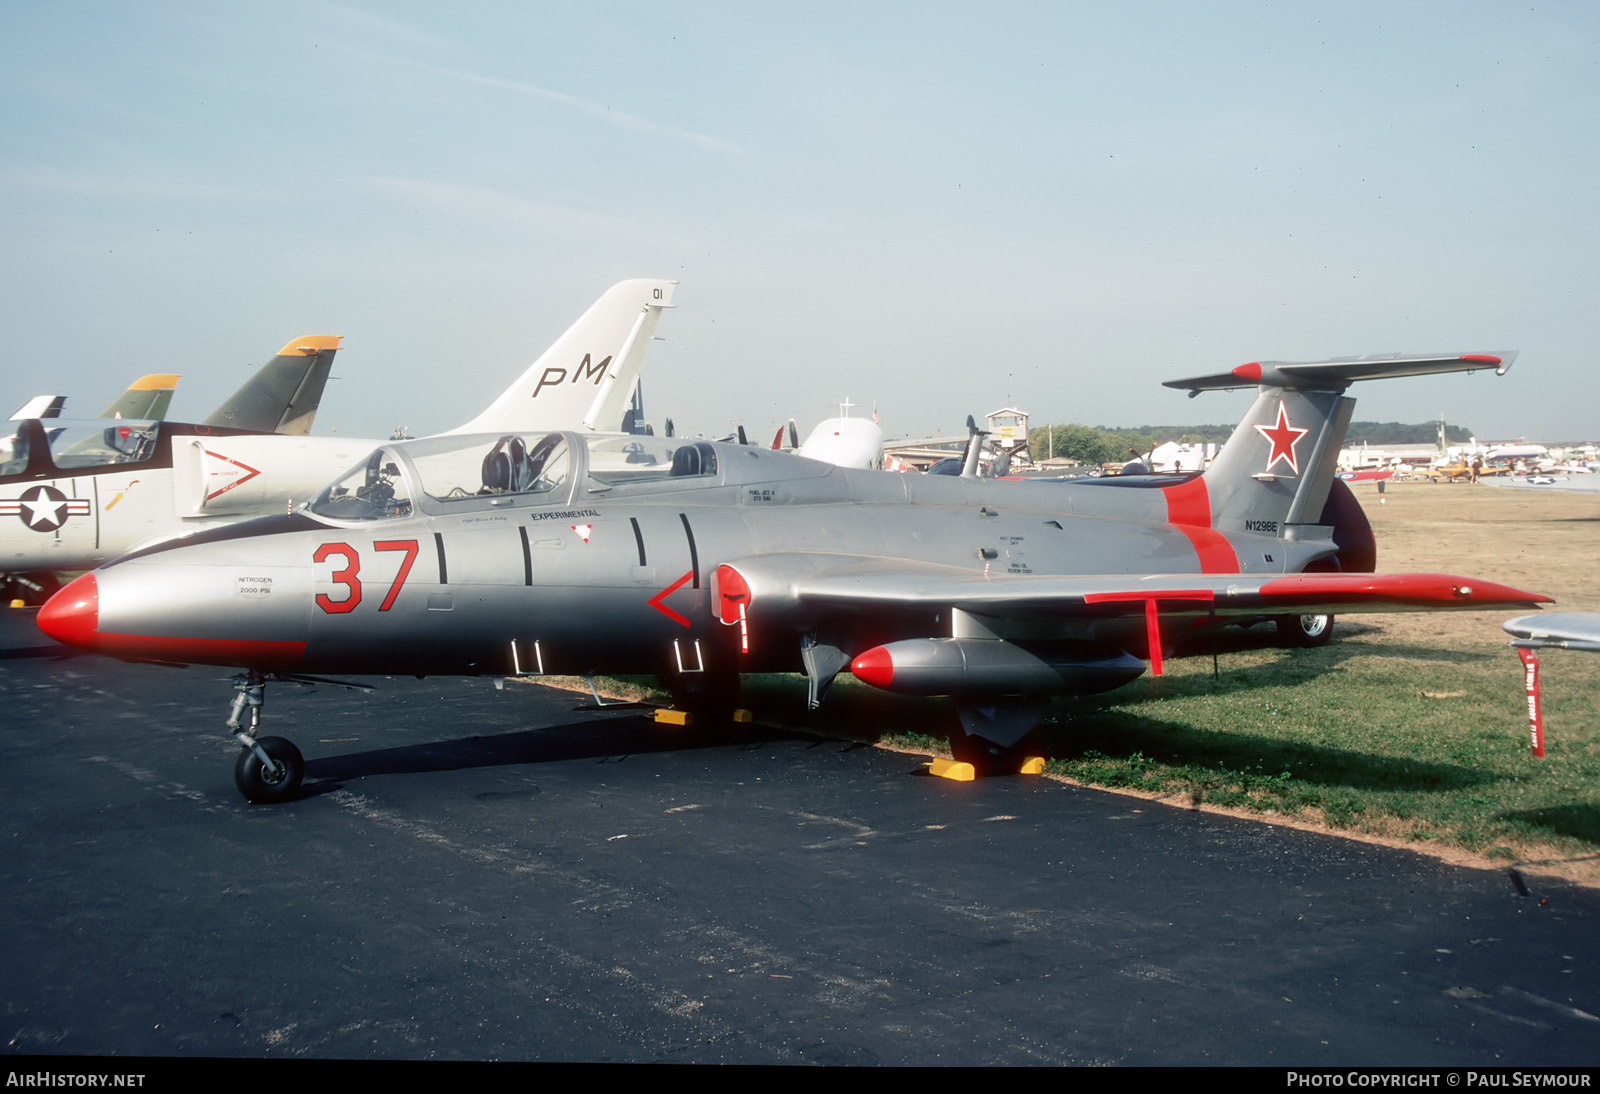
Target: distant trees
{"x":1098,"y":444}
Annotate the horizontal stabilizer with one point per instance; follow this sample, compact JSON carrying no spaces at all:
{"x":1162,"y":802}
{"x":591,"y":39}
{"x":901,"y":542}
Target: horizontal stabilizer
{"x":1339,"y":372}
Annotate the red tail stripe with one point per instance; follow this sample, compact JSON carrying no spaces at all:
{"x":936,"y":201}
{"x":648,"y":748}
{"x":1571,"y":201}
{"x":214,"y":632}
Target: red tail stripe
{"x":1189,"y":511}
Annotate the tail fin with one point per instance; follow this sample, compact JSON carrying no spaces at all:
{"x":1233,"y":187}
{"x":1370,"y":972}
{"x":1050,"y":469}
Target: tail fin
{"x":585,"y":380}
{"x":146,"y":398}
{"x":40,"y":406}
{"x":283,"y":395}
{"x":1276,"y":470}
{"x":633,"y":419}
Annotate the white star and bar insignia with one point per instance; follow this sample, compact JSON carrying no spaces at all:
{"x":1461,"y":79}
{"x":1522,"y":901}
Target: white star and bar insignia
{"x":44,"y":508}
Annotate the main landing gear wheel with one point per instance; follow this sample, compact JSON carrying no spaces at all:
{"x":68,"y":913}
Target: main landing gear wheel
{"x":277,"y":779}
{"x":711,"y":696}
{"x":1305,"y":630}
{"x":986,"y":757}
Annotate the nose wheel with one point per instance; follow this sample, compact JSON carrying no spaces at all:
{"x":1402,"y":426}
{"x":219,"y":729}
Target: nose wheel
{"x":270,"y":768}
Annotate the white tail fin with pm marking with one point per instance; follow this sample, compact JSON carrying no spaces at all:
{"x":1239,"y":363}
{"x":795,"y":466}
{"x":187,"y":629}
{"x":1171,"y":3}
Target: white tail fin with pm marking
{"x":586,"y":379}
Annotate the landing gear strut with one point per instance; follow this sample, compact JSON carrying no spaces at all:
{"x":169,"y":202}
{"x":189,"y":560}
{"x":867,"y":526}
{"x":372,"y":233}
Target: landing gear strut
{"x":990,"y":737}
{"x":270,"y":768}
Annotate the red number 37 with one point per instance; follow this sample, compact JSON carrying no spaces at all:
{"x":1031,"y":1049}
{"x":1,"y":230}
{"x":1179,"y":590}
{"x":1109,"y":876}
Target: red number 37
{"x":350,"y":575}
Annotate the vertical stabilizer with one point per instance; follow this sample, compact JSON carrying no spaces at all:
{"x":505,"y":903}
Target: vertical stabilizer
{"x":586,"y":380}
{"x":1275,"y":472}
{"x":147,"y":398}
{"x":40,"y":406}
{"x":1278,"y":465}
{"x":283,"y":395}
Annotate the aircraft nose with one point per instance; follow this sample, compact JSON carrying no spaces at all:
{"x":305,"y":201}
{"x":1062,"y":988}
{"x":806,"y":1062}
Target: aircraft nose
{"x":72,"y":616}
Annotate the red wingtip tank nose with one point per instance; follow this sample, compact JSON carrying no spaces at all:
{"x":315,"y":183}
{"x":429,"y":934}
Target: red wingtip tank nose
{"x":875,"y":667}
{"x":72,"y":616}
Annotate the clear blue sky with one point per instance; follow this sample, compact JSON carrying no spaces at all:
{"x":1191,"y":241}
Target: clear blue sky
{"x":937,"y":207}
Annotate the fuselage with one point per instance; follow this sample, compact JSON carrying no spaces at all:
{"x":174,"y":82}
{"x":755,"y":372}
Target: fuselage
{"x":569,"y":554}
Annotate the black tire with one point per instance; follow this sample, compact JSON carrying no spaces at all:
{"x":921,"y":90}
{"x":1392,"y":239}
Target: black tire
{"x":986,"y":757}
{"x":257,"y":783}
{"x":1305,"y":630}
{"x":710,"y":696}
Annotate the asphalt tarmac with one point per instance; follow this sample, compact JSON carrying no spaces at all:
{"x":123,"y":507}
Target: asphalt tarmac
{"x":476,"y":874}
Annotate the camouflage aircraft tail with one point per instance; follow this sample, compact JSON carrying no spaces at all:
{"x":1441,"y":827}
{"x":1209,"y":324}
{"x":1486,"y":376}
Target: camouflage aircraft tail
{"x":283,"y":395}
{"x":1275,"y":473}
{"x":586,"y":380}
{"x":147,"y":398}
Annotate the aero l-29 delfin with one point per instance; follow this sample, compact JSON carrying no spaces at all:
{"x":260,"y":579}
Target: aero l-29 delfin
{"x":54,"y":470}
{"x":87,"y":492}
{"x":147,"y":397}
{"x":524,"y":554}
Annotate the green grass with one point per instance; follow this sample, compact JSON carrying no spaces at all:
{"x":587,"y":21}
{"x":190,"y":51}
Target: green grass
{"x":1363,"y":734}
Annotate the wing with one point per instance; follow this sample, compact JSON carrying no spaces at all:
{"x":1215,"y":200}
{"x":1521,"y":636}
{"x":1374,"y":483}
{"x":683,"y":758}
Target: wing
{"x":1563,"y":630}
{"x":1580,"y":483}
{"x":800,"y":588}
{"x":1337,"y":373}
{"x":942,"y":630}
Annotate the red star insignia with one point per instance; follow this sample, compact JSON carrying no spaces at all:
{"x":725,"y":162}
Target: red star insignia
{"x":1283,"y":437}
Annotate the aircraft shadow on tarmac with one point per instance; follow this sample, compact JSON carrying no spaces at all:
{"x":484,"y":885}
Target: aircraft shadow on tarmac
{"x":1079,"y":728}
{"x":599,"y":737}
{"x":26,"y":653}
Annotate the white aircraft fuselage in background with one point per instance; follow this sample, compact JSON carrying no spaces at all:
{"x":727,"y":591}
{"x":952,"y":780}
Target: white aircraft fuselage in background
{"x":76,"y":495}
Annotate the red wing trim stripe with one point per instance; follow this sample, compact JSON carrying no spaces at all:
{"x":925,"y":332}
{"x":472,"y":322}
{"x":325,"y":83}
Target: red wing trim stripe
{"x":1189,"y":511}
{"x":1423,"y":589}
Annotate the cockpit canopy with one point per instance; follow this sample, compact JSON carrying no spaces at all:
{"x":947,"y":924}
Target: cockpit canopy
{"x":463,"y":473}
{"x":59,"y":444}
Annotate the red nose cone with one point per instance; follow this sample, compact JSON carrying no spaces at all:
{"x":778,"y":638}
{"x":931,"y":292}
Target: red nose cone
{"x":73,"y":614}
{"x":875,"y":667}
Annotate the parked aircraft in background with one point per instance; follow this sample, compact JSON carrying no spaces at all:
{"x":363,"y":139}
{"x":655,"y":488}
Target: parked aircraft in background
{"x":1580,"y":483}
{"x":147,"y":397}
{"x":519,"y":553}
{"x":85,"y":493}
{"x":844,"y":441}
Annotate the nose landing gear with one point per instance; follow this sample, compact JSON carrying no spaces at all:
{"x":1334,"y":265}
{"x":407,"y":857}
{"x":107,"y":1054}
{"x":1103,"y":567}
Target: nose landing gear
{"x":270,"y":768}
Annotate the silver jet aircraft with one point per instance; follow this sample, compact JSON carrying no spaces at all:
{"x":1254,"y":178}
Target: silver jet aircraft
{"x":523,"y":554}
{"x":85,"y":494}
